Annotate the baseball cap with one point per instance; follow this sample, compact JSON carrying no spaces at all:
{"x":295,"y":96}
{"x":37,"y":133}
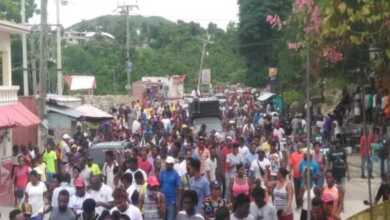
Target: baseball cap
{"x":153,"y":181}
{"x":66,"y":136}
{"x":170,"y":160}
{"x":79,"y":182}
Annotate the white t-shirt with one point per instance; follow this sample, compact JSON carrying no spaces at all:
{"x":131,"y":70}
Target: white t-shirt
{"x":181,"y":168}
{"x":136,"y":126}
{"x":255,"y":167}
{"x":211,"y":166}
{"x":35,"y":197}
{"x":108,"y":172}
{"x":166,"y":123}
{"x":234,"y":160}
{"x":133,"y":172}
{"x":76,"y":203}
{"x":132,"y":212}
{"x":278,"y":132}
{"x":267,"y":212}
{"x":305,"y":197}
{"x":104,"y":195}
{"x":132,"y":188}
{"x":56,"y":192}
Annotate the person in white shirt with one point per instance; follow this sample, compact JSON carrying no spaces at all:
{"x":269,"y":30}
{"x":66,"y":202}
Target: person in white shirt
{"x":232,"y":160}
{"x":167,"y":124}
{"x":65,"y":184}
{"x":108,"y":168}
{"x":35,"y":195}
{"x":136,"y":127}
{"x":132,"y":168}
{"x":259,"y":167}
{"x":101,"y":193}
{"x":278,"y":132}
{"x":77,"y":200}
{"x":211,"y":165}
{"x":127,"y":182}
{"x":123,"y":207}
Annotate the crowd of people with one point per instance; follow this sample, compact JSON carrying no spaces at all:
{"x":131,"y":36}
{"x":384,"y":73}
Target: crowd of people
{"x":258,"y":167}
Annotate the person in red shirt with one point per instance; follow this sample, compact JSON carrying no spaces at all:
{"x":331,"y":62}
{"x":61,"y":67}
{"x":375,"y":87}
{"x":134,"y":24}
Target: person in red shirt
{"x":143,"y":162}
{"x":295,"y":160}
{"x":365,"y":152}
{"x":20,"y":176}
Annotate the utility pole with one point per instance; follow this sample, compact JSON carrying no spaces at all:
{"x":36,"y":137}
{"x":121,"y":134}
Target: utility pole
{"x":125,"y":10}
{"x":43,"y":58}
{"x":59,"y":52}
{"x":308,"y":131}
{"x":24,"y":49}
{"x":203,"y":54}
{"x":33,"y":64}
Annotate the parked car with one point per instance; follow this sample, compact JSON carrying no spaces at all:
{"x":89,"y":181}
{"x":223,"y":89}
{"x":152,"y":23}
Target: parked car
{"x":97,"y":151}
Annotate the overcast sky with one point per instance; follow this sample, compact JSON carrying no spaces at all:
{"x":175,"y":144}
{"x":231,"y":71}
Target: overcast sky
{"x":220,"y":12}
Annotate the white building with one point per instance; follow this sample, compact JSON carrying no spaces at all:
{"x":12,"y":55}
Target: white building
{"x":12,"y":112}
{"x":75,"y":37}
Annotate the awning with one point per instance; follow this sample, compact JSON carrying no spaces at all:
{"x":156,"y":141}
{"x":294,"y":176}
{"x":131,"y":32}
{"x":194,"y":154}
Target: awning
{"x":17,"y":115}
{"x":64,"y":111}
{"x":89,"y":111}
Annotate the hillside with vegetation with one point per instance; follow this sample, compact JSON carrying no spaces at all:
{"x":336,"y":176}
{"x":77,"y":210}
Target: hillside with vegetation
{"x":158,"y":48}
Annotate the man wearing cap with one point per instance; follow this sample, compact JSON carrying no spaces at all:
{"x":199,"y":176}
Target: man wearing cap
{"x":65,"y":149}
{"x":260,"y":166}
{"x":77,"y":200}
{"x":170,"y":183}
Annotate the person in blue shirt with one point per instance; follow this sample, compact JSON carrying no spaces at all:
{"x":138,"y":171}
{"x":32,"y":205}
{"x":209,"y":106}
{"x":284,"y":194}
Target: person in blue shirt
{"x":312,"y":164}
{"x":199,"y":183}
{"x":170,"y":183}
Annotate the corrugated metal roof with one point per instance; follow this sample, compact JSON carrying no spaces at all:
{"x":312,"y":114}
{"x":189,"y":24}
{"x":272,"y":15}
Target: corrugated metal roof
{"x":65,"y":111}
{"x":90,"y":111}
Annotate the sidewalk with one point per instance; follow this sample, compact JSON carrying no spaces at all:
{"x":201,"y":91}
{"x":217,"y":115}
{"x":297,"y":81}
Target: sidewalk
{"x":354,"y":162}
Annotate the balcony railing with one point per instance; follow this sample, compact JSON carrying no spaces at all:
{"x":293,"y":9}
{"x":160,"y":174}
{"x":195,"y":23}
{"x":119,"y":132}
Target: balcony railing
{"x":8,"y":94}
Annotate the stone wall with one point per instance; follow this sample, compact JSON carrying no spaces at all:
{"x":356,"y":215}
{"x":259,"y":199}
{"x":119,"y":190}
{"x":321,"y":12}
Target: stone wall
{"x":105,"y":102}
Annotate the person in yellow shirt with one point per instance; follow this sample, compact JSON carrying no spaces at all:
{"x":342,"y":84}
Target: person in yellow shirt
{"x":265,"y":146}
{"x":93,"y":168}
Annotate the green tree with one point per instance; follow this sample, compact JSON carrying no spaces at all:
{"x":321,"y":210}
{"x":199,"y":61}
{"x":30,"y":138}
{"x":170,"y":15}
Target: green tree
{"x":259,"y":42}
